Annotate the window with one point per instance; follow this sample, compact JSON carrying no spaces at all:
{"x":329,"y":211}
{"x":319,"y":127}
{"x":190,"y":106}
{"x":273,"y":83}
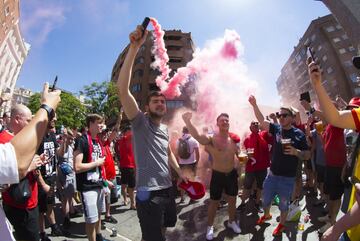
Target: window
{"x":342,"y":51}
{"x":138,"y":73}
{"x":172,"y":37}
{"x":7,"y":10}
{"x":155,"y":72}
{"x":338,"y":26}
{"x":175,"y":60}
{"x":153,"y":87}
{"x":357,"y":91}
{"x":142,"y":48}
{"x":348,"y":63}
{"x":172,"y":47}
{"x":336,"y":40}
{"x":174,"y":104}
{"x":330,"y":29}
{"x":298,"y":58}
{"x":139,"y":60}
{"x":344,"y":37}
{"x":353,"y":77}
{"x":329,"y":70}
{"x":136,"y":88}
{"x":324,"y":58}
{"x":313,"y":37}
{"x":351,"y":48}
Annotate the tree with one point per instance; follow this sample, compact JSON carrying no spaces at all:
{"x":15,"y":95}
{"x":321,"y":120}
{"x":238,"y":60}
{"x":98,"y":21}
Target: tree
{"x":70,"y":112}
{"x":102,"y":99}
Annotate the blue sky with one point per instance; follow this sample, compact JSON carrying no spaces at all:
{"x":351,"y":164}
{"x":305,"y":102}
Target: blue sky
{"x":80,"y":40}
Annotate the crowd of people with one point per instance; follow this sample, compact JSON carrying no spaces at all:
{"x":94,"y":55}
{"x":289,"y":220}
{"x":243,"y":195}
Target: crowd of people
{"x":39,"y":165}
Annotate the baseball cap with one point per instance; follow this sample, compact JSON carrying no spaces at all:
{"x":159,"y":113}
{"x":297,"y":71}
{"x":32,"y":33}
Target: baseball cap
{"x":195,"y":190}
{"x":354,"y":103}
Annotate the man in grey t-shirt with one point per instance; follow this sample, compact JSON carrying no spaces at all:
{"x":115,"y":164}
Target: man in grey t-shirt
{"x":155,"y":200}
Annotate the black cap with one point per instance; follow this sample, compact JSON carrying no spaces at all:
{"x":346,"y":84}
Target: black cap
{"x":356,"y":61}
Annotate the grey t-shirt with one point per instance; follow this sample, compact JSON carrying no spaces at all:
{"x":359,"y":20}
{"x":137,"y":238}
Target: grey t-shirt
{"x":150,"y":144}
{"x":320,"y":154}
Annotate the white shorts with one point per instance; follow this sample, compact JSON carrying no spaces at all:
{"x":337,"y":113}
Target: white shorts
{"x":94,"y":204}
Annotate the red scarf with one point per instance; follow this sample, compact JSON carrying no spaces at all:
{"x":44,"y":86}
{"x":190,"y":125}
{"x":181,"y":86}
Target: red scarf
{"x":91,"y":148}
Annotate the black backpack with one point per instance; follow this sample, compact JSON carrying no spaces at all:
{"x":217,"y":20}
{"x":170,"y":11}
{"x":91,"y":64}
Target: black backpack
{"x":184,"y":148}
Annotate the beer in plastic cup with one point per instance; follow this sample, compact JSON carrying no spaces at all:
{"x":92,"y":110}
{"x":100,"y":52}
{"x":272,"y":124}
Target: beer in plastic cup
{"x":242,"y":157}
{"x":319,"y":126}
{"x":285,"y":142}
{"x":250,"y":152}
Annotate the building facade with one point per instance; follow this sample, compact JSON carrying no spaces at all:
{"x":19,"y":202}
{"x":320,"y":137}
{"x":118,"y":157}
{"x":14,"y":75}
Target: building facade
{"x":333,"y":50}
{"x":13,"y":49}
{"x":347,"y":12}
{"x":180,"y":49}
{"x":21,"y":96}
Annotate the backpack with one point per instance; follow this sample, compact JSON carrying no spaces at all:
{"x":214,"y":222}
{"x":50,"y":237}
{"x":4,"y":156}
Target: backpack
{"x":184,"y":148}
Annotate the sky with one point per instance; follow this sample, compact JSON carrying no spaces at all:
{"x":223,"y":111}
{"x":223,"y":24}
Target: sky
{"x":80,"y":40}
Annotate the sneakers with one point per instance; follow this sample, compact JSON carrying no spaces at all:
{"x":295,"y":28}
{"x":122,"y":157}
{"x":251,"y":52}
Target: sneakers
{"x":44,"y":237}
{"x":56,"y":231}
{"x":262,"y":219}
{"x":210,"y":233}
{"x":325,"y":227}
{"x":258,"y":208}
{"x":324,"y":219}
{"x":234,"y":226}
{"x":278,"y":230}
{"x":110,"y":219}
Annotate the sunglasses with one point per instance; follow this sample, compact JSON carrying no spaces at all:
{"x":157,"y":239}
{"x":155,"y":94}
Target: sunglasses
{"x":278,"y":115}
{"x":255,"y":123}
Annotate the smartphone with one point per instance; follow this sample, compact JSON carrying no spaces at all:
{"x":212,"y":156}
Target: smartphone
{"x":310,"y":53}
{"x":145,"y":23}
{"x":305,"y":96}
{"x":354,"y":180}
{"x":54,"y":84}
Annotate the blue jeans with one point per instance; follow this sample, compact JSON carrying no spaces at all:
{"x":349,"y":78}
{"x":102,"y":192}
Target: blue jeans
{"x":283,"y":186}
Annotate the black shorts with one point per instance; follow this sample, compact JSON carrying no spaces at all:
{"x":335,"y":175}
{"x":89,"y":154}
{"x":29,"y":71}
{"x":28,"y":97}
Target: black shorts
{"x":333,"y":185}
{"x":250,"y":177}
{"x":223,"y":182}
{"x":156,"y":212}
{"x":308,"y":165}
{"x":44,"y":198}
{"x":24,"y":221}
{"x":320,"y":174}
{"x":128,"y":177}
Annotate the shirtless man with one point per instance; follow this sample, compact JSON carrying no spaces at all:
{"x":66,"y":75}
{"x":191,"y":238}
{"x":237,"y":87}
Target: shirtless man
{"x":224,"y":175}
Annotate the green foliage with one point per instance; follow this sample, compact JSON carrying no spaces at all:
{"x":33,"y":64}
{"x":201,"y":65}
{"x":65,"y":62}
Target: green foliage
{"x":70,"y":112}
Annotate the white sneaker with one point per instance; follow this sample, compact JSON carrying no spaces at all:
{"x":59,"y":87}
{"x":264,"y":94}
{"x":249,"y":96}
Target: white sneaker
{"x":210,"y":233}
{"x":324,"y":219}
{"x":234,"y":226}
{"x":325,"y":227}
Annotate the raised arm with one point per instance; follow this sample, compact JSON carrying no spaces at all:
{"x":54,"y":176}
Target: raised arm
{"x":27,"y":141}
{"x":341,"y":119}
{"x":202,"y":139}
{"x":127,"y":99}
{"x":259,"y":116}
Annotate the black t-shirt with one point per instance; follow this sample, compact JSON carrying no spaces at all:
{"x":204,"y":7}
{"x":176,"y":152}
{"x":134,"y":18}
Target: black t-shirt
{"x":48,"y":146}
{"x":91,"y":179}
{"x":281,"y":164}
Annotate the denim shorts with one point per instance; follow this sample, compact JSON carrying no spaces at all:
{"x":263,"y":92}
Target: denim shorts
{"x":283,"y":186}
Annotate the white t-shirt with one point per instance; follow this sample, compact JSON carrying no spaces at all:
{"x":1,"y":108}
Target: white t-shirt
{"x":8,"y":175}
{"x":193,"y":144}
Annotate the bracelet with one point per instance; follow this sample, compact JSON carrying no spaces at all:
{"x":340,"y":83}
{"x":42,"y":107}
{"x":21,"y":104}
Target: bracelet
{"x":50,"y":111}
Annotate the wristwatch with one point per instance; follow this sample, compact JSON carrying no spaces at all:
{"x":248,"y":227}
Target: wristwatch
{"x":50,"y":111}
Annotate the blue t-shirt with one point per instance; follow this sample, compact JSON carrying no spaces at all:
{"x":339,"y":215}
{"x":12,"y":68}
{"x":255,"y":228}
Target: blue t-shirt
{"x":281,"y":164}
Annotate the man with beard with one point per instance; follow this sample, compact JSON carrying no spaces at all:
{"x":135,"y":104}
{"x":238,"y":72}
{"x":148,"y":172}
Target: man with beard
{"x":47,"y":178}
{"x":155,"y":199}
{"x":223,"y":150}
